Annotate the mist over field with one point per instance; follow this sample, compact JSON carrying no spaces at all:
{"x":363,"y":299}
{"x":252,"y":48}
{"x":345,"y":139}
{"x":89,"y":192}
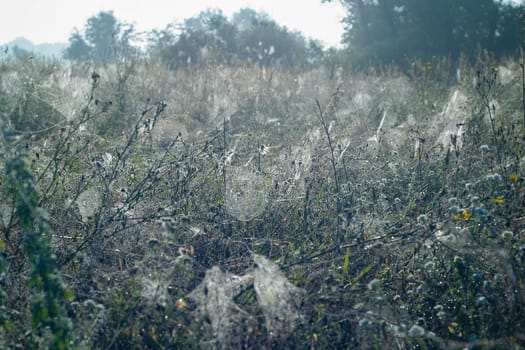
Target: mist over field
{"x":233,"y":184}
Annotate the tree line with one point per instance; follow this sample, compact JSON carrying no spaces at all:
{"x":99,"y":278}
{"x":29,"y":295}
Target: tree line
{"x":376,"y":32}
{"x":250,"y":35}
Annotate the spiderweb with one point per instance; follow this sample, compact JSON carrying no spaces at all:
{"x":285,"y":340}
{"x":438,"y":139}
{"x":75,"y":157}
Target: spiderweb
{"x":246,"y":194}
{"x":278,"y":299}
{"x":88,"y":202}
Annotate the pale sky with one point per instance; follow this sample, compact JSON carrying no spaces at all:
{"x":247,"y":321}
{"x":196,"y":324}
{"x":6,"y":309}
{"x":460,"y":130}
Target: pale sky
{"x":48,"y":21}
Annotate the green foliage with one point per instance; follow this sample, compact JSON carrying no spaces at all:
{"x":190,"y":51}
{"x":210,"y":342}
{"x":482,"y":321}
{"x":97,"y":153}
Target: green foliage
{"x":250,"y":36}
{"x":267,"y":42}
{"x":4,"y":320}
{"x":49,"y":322}
{"x":247,"y":19}
{"x":388,"y":31}
{"x":78,"y":49}
{"x":104,"y":40}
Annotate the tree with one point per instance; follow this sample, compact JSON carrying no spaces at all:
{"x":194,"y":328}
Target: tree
{"x":267,"y":43}
{"x":78,"y":49}
{"x":104,"y":39}
{"x":209,"y":34}
{"x":247,"y":19}
{"x":101,"y":32}
{"x":315,"y":52}
{"x":251,"y":36}
{"x":108,"y":37}
{"x":388,"y":31}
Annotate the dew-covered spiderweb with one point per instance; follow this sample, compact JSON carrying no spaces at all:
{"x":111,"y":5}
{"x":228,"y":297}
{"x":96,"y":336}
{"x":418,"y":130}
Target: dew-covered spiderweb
{"x":246,"y":194}
{"x":278,"y":299}
{"x":214,"y":297}
{"x":88,"y":202}
{"x":450,"y":121}
{"x":57,"y":96}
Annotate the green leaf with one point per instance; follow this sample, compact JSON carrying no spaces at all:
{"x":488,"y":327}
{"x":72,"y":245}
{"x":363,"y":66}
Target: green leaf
{"x":361,"y":275}
{"x":346,"y":262}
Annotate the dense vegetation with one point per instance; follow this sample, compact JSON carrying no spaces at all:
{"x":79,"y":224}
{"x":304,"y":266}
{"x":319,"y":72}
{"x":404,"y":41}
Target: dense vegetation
{"x":392,"y":31}
{"x":229,"y":201}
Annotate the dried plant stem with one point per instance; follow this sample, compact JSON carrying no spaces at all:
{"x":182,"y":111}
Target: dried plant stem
{"x":322,"y":119}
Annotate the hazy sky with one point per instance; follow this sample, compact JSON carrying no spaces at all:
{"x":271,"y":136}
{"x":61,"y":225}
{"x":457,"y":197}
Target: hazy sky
{"x":44,"y":21}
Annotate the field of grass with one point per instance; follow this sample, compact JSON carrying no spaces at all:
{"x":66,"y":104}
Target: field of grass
{"x":256,"y":207}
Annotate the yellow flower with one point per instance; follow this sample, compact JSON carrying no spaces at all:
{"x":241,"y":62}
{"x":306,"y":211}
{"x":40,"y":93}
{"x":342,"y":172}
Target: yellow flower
{"x":498,"y":200}
{"x":463,"y":215}
{"x":453,"y":328}
{"x":514,"y":177}
{"x":181,"y":304}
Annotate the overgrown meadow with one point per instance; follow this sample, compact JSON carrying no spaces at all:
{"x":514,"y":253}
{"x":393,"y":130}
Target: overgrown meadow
{"x":249,"y":206}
